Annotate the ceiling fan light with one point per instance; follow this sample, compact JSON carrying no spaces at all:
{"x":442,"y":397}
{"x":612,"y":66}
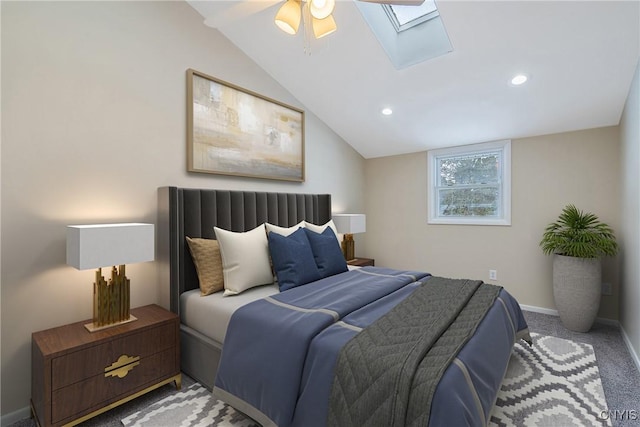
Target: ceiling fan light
{"x":323,"y":27}
{"x":320,"y":9}
{"x":288,"y":17}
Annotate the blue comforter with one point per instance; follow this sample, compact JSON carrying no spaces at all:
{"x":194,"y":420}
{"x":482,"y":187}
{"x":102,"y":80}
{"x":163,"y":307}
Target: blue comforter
{"x":279,"y":353}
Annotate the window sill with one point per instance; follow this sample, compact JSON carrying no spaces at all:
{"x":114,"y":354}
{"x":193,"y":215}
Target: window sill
{"x":469,"y":221}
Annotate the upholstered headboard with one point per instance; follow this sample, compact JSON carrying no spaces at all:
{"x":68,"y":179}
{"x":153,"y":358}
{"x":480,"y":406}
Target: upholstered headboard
{"x":194,"y":212}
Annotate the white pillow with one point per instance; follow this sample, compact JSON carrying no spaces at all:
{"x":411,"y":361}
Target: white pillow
{"x":320,"y":228}
{"x":283,"y":231}
{"x":245,"y":259}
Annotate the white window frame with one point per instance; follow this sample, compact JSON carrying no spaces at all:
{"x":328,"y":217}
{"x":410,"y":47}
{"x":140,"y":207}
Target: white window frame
{"x":504,"y":208}
{"x":419,"y":19}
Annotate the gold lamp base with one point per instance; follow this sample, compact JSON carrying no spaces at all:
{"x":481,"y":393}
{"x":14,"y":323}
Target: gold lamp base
{"x":92,"y":327}
{"x":111,"y":300}
{"x":348,"y":247}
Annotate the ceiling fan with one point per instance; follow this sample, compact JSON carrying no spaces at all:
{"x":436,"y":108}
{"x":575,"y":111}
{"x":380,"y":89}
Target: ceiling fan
{"x":397,"y":2}
{"x":317,"y":14}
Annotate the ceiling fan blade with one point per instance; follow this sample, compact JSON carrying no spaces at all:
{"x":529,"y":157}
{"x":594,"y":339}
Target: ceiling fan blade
{"x":397,"y":2}
{"x":222,"y":13}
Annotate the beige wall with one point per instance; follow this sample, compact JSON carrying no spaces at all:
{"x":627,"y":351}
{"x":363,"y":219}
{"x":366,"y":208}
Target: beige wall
{"x":630,"y":280}
{"x":548,"y":172}
{"x":94,"y":121}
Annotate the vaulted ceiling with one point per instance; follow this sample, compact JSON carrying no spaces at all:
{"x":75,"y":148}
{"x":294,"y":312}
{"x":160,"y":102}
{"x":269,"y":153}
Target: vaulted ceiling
{"x":580,"y":57}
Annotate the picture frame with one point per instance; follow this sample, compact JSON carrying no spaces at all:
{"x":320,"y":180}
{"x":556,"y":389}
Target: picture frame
{"x":234,"y":131}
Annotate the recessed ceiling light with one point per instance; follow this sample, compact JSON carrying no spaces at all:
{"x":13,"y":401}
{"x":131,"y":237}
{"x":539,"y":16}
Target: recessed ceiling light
{"x":519,"y":79}
{"x":387,"y":111}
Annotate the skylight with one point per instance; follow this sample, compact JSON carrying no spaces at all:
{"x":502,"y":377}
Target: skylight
{"x":405,"y":17}
{"x":408,"y":34}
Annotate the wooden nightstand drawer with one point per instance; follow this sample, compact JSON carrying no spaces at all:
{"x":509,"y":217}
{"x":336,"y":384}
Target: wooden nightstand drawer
{"x":79,"y":365}
{"x":361,"y":262}
{"x":77,"y":374}
{"x":103,"y":389}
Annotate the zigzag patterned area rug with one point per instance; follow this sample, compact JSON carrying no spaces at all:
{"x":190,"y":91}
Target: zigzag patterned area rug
{"x":193,"y":407}
{"x":554,"y":383}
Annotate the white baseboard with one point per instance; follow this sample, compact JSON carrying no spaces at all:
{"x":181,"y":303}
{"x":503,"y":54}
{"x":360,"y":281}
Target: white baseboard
{"x":14,"y":417}
{"x":539,"y":309}
{"x":606,"y":321}
{"x":632,"y":351}
{"x":552,"y":312}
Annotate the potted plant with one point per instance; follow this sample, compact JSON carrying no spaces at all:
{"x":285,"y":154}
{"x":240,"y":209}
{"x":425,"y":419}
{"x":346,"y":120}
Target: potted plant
{"x":578,"y":240}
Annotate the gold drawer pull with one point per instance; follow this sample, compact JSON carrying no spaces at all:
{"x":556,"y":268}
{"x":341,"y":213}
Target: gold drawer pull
{"x":122,"y":366}
{"x":121,"y":372}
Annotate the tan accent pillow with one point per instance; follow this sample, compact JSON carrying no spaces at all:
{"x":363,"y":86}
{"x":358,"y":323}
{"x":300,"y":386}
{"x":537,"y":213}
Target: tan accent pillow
{"x":208,"y":262}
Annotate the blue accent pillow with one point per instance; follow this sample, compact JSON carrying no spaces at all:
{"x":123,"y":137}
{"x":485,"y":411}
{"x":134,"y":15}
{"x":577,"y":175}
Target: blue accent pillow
{"x":292,"y":259}
{"x":326,"y":252}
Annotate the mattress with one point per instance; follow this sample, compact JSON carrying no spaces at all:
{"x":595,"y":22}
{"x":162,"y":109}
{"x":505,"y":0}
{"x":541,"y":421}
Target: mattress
{"x":210,"y":314}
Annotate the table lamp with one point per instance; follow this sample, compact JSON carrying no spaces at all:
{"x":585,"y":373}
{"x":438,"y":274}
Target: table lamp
{"x":103,"y":245}
{"x":349,"y":224}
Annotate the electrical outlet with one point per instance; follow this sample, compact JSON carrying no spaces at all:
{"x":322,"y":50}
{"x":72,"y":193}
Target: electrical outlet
{"x":607,"y":289}
{"x":493,"y":274}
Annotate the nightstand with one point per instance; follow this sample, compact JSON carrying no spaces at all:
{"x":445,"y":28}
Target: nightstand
{"x":77,"y":374}
{"x":362,"y":262}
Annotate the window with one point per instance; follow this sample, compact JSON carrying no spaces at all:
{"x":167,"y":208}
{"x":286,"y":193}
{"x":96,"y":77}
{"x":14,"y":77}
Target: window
{"x":408,"y":34}
{"x":470,"y":184}
{"x":405,"y":17}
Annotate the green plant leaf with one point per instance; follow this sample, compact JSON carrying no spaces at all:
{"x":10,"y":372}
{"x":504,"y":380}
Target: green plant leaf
{"x":578,"y":234}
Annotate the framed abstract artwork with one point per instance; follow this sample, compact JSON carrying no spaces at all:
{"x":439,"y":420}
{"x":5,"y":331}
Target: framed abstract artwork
{"x":234,"y":131}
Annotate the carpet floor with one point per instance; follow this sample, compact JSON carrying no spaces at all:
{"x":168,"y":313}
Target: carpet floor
{"x":619,"y":376}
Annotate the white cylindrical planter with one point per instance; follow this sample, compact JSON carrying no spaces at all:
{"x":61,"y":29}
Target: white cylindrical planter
{"x":576,"y":290}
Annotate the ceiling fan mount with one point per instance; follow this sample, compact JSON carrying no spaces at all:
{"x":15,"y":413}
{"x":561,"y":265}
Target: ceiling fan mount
{"x":397,"y":2}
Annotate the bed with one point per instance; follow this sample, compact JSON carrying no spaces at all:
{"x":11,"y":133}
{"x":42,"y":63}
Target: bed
{"x":346,"y":365}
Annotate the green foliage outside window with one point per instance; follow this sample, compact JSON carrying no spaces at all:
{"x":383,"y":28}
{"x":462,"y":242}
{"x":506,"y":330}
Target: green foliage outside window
{"x":469,"y":185}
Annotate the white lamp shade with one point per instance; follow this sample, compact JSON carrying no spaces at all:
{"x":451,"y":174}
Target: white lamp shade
{"x":105,"y":245}
{"x":323,"y":27}
{"x":320,"y":9}
{"x":288,"y":17}
{"x":350,"y":223}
